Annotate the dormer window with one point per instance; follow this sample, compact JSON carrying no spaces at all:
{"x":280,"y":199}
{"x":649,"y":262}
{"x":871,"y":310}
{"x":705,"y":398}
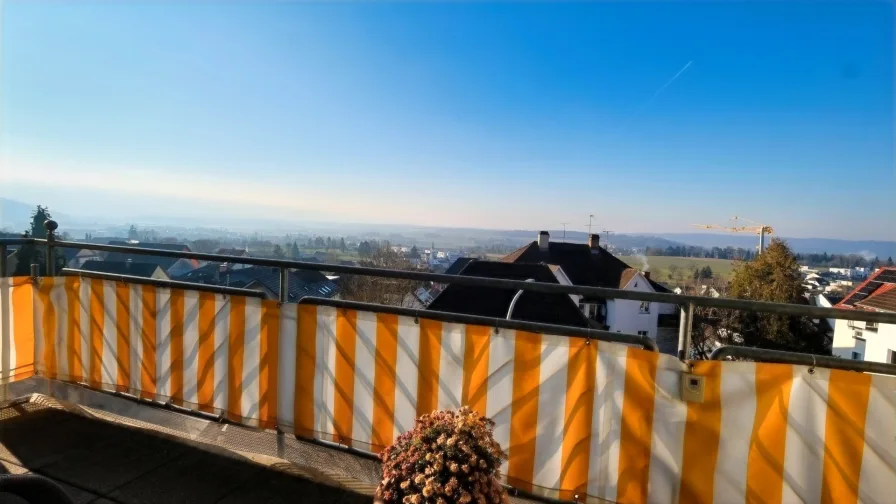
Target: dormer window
{"x":645,"y":307}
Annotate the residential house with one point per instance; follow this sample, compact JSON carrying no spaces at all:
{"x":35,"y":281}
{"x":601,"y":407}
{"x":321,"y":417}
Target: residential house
{"x":495,"y":302}
{"x":172,"y":266}
{"x":868,"y":341}
{"x":130,"y":268}
{"x":844,"y":272}
{"x":83,"y":256}
{"x":235,"y":252}
{"x":591,"y":265}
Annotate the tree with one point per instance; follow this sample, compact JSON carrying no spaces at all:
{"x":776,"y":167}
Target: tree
{"x":387,"y":291}
{"x":890,"y":262}
{"x":278,"y":253}
{"x":706,"y":272}
{"x":772,"y":276}
{"x":319,"y":242}
{"x":294,"y":251}
{"x":30,"y":254}
{"x":342,"y":246}
{"x":132,"y":233}
{"x":414,"y":253}
{"x":365,"y":249}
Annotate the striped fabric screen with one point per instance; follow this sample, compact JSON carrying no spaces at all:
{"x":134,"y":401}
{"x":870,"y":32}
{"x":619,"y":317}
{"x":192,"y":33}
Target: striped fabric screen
{"x":577,"y":418}
{"x":16,"y":329}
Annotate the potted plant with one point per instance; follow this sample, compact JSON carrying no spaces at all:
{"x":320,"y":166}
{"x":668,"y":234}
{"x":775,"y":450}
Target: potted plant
{"x":449,"y":456}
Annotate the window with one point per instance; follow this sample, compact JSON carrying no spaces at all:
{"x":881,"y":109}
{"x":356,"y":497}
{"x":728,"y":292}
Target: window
{"x":645,"y":307}
{"x":891,"y":358}
{"x":642,"y":333}
{"x":857,"y":334}
{"x":856,"y":356}
{"x":871,"y":326}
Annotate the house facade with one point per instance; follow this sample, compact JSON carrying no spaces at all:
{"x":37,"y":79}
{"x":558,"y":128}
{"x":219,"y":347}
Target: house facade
{"x":590,"y":264}
{"x":868,"y":341}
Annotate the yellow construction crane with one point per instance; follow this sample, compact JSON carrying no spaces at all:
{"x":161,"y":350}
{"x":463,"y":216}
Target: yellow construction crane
{"x":760,"y":229}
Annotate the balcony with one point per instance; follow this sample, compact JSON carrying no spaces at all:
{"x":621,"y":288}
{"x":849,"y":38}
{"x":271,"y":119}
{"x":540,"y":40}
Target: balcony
{"x":264,"y":386}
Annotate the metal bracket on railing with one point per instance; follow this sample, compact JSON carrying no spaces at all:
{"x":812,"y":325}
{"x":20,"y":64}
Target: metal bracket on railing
{"x":824,"y":361}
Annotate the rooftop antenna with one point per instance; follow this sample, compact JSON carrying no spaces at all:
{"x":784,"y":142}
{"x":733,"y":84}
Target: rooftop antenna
{"x":590,"y":218}
{"x":564,"y":224}
{"x":608,"y":235}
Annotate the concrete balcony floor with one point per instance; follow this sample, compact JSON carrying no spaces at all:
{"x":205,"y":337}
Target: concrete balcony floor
{"x":104,"y":449}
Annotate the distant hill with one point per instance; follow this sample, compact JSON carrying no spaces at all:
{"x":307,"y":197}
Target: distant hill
{"x":871,"y":248}
{"x":617,"y":240}
{"x":15,"y":216}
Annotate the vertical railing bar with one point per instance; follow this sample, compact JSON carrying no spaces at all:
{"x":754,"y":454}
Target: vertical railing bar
{"x":284,"y":285}
{"x":2,"y":260}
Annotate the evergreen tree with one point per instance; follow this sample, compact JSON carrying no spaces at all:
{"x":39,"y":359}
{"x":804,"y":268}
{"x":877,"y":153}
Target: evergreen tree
{"x":890,"y":261}
{"x":342,"y":246}
{"x":132,"y":233}
{"x":294,"y":251}
{"x":278,"y":252}
{"x":27,"y":255}
{"x":774,"y":277}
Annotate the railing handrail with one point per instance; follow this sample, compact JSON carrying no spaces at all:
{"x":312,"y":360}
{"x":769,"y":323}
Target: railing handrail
{"x":158,"y":282}
{"x":782,"y":357}
{"x":502,"y":323}
{"x":501,"y":283}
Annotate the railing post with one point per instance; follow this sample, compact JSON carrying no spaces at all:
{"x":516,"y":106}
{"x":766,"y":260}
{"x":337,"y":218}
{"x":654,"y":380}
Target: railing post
{"x":35,"y":270}
{"x":284,"y":285}
{"x":2,"y":260}
{"x":51,"y":226}
{"x":684,"y":331}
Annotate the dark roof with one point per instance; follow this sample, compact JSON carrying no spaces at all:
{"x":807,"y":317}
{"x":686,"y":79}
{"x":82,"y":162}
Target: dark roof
{"x":883,"y":277}
{"x":883,"y":298}
{"x":459,"y":265}
{"x":180,"y":247}
{"x":494,"y":302}
{"x":582,"y":264}
{"x":301,"y":282}
{"x":163,"y":262}
{"x":139,"y":269}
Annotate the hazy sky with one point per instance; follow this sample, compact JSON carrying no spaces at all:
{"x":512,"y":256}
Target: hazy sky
{"x":649,"y":116}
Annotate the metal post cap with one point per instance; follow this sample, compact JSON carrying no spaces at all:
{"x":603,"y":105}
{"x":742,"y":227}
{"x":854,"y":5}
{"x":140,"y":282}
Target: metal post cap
{"x":51,"y":225}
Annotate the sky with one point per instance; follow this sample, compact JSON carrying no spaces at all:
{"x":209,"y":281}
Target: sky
{"x":649,"y":116}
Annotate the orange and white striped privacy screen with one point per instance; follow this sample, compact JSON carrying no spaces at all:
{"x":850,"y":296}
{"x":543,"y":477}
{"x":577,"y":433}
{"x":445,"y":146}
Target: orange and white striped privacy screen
{"x":592,"y":419}
{"x":16,"y":329}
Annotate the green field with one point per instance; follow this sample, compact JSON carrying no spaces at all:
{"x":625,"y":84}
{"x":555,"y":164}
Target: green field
{"x":661,"y":267}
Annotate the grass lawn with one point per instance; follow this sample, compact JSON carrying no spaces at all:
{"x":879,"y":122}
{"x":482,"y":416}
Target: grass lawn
{"x":660,"y":266}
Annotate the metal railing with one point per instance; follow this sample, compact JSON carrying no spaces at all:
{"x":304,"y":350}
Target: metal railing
{"x":687,"y":303}
{"x":779,"y":356}
{"x":498,"y":323}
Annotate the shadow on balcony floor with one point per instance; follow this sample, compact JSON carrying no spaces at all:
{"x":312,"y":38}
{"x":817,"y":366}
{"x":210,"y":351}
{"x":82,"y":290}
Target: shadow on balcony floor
{"x":102,"y":462}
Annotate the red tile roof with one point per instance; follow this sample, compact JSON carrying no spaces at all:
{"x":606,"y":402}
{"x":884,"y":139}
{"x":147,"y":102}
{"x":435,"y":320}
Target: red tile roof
{"x":884,"y":277}
{"x":883,"y":298}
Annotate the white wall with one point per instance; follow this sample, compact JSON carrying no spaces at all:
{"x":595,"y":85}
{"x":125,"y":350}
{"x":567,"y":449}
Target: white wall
{"x":875,"y":348}
{"x":624,"y":315}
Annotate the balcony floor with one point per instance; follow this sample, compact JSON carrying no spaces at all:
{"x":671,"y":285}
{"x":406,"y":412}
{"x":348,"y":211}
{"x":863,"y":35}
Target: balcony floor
{"x":104,"y":449}
{"x":102,"y":462}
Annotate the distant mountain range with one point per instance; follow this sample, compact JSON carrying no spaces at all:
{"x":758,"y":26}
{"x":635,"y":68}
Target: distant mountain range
{"x":868,"y":248}
{"x":15,"y":216}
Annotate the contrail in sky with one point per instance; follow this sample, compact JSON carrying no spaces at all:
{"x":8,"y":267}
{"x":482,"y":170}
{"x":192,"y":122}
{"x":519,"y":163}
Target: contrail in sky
{"x":663,"y":88}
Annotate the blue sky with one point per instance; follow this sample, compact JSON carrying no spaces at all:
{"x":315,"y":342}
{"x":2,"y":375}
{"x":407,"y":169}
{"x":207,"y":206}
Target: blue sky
{"x":456,"y":114}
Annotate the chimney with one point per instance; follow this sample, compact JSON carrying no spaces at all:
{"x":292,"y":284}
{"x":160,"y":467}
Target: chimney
{"x":646,"y":274}
{"x":594,"y":242}
{"x":543,"y":239}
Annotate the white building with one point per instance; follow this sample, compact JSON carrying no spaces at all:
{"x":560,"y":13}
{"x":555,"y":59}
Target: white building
{"x":868,"y":341}
{"x":592,"y":265}
{"x":847,"y":272}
